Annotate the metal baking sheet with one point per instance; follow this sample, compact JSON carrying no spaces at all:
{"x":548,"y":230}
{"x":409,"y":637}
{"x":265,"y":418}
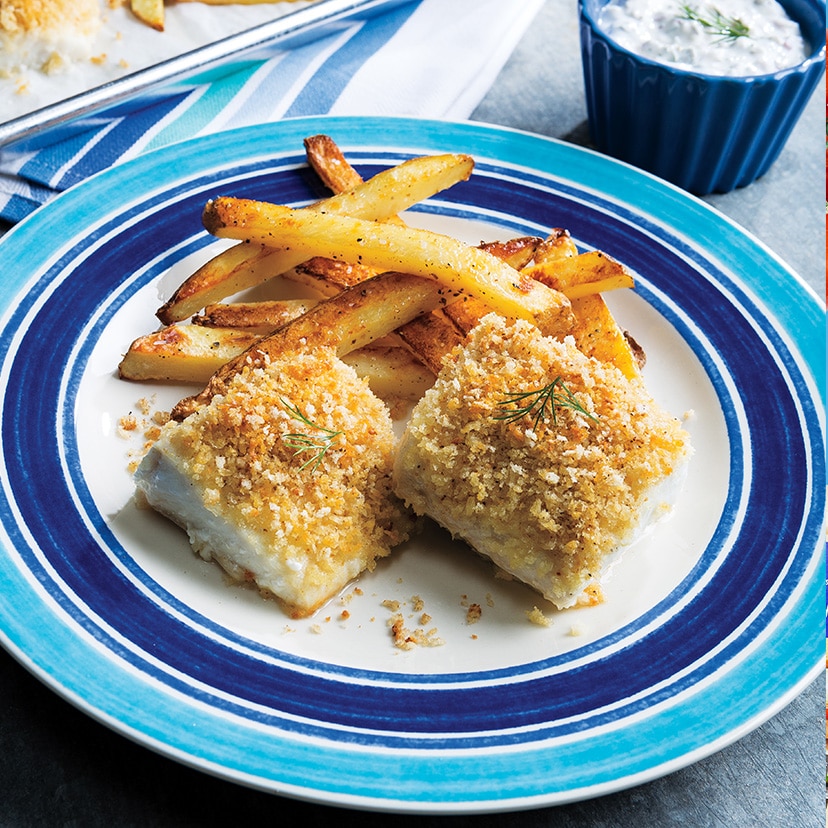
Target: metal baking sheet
{"x":29,"y":130}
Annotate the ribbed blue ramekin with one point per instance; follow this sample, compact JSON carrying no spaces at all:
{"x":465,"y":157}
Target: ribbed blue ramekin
{"x":704,"y":133}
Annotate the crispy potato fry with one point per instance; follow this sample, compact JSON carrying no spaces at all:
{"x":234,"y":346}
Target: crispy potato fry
{"x":574,"y":275}
{"x":327,"y":277}
{"x":263,"y":317}
{"x":346,"y":322}
{"x":192,"y":354}
{"x":390,"y":247}
{"x":391,"y":372}
{"x":430,"y":337}
{"x":597,"y":334}
{"x":466,"y":313}
{"x":150,"y":12}
{"x":557,"y":245}
{"x":328,"y":162}
{"x":184,"y":353}
{"x":246,"y":265}
{"x":583,"y":275}
{"x":517,"y":252}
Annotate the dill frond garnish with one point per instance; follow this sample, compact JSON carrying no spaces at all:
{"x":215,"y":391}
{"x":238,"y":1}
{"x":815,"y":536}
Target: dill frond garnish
{"x":318,"y":443}
{"x":728,"y":29}
{"x":542,"y":401}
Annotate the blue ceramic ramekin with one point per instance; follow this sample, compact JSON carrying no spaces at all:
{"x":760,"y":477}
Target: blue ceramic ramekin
{"x":704,"y":133}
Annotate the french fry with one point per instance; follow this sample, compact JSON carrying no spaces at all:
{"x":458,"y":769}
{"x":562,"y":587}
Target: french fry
{"x":183,"y":353}
{"x":598,"y":335}
{"x":150,"y":12}
{"x":583,"y":275}
{"x":327,"y":277}
{"x":574,"y":275}
{"x":516,"y":252}
{"x":246,"y":265}
{"x":430,"y":337}
{"x":391,"y":372}
{"x":466,"y":313}
{"x":263,"y":317}
{"x":192,"y":354}
{"x":557,"y":245}
{"x":328,"y":162}
{"x":395,"y":248}
{"x":345,"y":322}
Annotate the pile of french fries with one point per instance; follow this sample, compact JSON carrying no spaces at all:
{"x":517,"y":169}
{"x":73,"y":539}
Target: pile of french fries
{"x":391,"y":299}
{"x":152,"y":13}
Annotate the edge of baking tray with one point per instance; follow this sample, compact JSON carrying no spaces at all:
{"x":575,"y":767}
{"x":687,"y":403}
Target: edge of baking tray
{"x":292,"y":29}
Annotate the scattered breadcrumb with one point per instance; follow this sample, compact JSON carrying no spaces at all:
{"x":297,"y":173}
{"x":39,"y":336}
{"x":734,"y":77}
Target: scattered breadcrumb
{"x":407,"y":639}
{"x":536,"y":616}
{"x":473,"y":613}
{"x":147,"y":423}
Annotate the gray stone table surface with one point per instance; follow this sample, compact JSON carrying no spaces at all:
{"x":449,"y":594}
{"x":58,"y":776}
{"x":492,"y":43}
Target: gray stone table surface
{"x":60,"y":768}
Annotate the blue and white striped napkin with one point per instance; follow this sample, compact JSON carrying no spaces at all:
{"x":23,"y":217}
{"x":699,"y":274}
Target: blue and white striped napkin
{"x":427,"y":58}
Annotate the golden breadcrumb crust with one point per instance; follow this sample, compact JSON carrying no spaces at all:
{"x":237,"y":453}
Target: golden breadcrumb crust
{"x":34,"y":16}
{"x":548,"y":505}
{"x":325,"y":523}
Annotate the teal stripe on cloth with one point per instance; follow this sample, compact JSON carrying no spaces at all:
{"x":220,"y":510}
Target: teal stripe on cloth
{"x":204,"y":104}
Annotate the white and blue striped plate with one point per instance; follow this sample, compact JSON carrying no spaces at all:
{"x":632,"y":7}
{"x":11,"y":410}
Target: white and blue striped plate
{"x":710,"y":625}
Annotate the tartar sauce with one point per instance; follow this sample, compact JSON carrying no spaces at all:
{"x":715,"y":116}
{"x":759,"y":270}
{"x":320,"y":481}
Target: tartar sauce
{"x":697,"y":34}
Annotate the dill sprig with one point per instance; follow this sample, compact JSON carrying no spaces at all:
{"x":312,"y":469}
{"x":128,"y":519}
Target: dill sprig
{"x":728,"y":29}
{"x":542,"y":401}
{"x":302,"y":443}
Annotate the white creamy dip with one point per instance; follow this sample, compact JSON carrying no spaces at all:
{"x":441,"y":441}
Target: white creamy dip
{"x":662,"y":33}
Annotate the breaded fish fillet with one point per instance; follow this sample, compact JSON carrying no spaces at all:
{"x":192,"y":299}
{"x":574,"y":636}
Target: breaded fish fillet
{"x":550,"y":499}
{"x":44,"y":34}
{"x":284,"y":480}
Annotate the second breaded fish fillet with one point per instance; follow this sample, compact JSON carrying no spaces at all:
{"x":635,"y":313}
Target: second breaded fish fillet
{"x":549,"y":497}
